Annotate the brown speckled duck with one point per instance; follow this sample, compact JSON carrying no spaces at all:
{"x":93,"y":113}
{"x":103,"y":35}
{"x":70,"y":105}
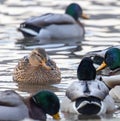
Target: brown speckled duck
{"x":37,"y":68}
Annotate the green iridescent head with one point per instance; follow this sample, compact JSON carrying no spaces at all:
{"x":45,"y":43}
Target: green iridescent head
{"x":48,"y":101}
{"x":112,"y":58}
{"x":75,"y":11}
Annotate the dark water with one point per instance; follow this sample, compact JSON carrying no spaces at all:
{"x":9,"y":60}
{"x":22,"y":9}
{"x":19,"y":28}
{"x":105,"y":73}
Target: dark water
{"x":102,"y":30}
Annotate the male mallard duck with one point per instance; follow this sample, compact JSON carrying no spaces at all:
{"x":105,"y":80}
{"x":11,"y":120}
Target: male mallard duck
{"x":88,"y":95}
{"x":99,"y":56}
{"x":109,"y":65}
{"x":37,"y":68}
{"x":14,"y":108}
{"x":112,"y":79}
{"x":55,"y":26}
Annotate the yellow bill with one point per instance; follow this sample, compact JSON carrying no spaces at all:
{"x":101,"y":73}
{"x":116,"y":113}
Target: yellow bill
{"x":85,"y":16}
{"x":102,"y":66}
{"x":56,"y":116}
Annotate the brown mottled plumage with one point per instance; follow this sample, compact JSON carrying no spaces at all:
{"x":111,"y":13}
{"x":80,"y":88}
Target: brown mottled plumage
{"x":37,"y":68}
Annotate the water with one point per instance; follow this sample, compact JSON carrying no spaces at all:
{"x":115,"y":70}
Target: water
{"x":102,"y":30}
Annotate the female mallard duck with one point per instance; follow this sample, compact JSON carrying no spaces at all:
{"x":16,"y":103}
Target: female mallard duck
{"x":88,"y":95}
{"x":14,"y":108}
{"x":55,"y":26}
{"x":37,"y":68}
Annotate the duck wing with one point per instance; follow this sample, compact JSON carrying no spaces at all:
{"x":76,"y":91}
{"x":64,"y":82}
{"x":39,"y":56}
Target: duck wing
{"x":100,"y":53}
{"x":87,"y":88}
{"x":48,"y":19}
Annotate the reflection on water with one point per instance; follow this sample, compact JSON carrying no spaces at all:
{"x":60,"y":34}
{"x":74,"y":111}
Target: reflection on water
{"x":35,"y":88}
{"x":102,"y":30}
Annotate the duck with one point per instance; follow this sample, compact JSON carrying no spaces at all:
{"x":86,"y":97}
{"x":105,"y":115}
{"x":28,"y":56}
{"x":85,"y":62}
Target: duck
{"x":14,"y":107}
{"x":87,"y":95}
{"x":112,"y":79}
{"x":37,"y":68}
{"x":108,"y":69}
{"x":54,"y":25}
{"x":99,"y":56}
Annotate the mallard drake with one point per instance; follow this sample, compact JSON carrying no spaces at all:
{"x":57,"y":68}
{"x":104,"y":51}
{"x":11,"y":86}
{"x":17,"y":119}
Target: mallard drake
{"x":112,"y":79}
{"x":112,"y":60}
{"x":87,"y":95}
{"x":99,"y":56}
{"x":109,"y":65}
{"x":37,"y":68}
{"x":13,"y":107}
{"x":55,"y":26}
{"x":108,"y":61}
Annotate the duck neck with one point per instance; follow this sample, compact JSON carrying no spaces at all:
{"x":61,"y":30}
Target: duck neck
{"x":82,"y":26}
{"x":35,"y":111}
{"x":115,"y":71}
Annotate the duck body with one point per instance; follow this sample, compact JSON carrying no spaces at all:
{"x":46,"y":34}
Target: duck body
{"x":52,"y":27}
{"x":55,"y":26}
{"x":37,"y":68}
{"x":91,"y":100}
{"x":87,"y":95}
{"x":14,"y":108}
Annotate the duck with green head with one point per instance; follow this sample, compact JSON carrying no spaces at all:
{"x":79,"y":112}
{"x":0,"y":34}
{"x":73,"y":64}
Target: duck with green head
{"x":13,"y":107}
{"x":111,"y":59}
{"x":108,"y":68}
{"x":108,"y":58}
{"x":112,"y":79}
{"x":55,"y":26}
{"x":87,"y":95}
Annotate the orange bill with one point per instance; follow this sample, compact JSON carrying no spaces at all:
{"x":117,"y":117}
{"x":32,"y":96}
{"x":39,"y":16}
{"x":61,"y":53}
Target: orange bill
{"x":102,"y":66}
{"x":85,"y":16}
{"x":56,"y":116}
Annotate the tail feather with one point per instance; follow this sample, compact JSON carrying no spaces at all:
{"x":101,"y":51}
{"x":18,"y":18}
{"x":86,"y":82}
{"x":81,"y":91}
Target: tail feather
{"x":29,"y":30}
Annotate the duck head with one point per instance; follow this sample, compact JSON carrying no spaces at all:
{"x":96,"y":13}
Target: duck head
{"x":86,"y":70}
{"x":48,"y":102}
{"x":39,"y":57}
{"x":75,"y":11}
{"x":112,"y":59}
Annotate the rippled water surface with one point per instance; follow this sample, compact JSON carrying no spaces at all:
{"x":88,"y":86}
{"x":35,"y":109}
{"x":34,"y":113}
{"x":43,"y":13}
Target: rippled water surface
{"x":102,"y":30}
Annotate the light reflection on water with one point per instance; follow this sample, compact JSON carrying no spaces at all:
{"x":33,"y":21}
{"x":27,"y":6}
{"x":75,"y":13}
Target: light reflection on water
{"x":102,"y":30}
